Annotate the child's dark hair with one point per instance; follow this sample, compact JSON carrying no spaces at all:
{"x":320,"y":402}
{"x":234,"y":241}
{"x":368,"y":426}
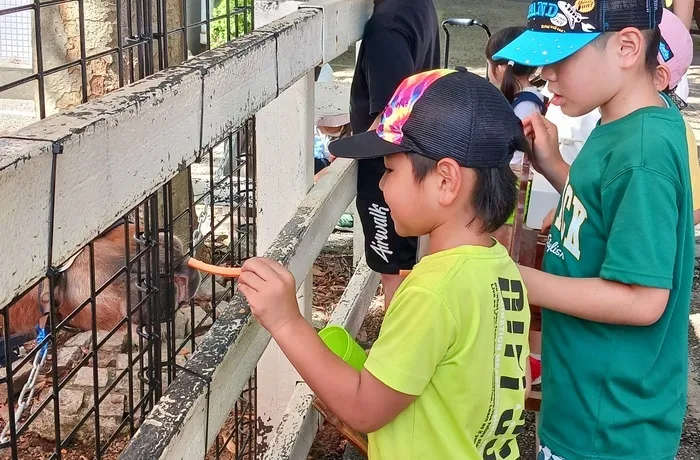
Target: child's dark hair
{"x":495,"y":189}
{"x":509,"y":84}
{"x":653,"y":40}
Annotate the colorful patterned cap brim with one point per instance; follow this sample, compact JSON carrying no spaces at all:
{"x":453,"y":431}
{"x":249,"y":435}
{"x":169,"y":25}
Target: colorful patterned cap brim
{"x":389,"y":134}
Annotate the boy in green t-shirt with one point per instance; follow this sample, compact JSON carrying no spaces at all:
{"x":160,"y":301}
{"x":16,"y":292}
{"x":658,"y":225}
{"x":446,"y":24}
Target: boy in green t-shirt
{"x":446,"y":379}
{"x":618,"y":266}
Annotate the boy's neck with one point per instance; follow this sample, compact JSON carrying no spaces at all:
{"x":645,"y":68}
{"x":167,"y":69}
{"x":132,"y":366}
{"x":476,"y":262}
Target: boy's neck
{"x":455,"y":233}
{"x":632,"y":97}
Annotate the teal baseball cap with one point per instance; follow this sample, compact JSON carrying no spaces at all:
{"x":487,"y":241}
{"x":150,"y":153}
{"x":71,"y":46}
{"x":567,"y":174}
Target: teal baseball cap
{"x":558,"y":29}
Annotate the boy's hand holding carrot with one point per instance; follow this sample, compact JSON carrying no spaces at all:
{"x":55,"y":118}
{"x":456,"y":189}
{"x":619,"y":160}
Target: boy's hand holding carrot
{"x":271,"y":292}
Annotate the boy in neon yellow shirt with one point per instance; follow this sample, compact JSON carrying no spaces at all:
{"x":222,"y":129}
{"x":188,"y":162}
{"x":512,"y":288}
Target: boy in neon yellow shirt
{"x":446,"y":378}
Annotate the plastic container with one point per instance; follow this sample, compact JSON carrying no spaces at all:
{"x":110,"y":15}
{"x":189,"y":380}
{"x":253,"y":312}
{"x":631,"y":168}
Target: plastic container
{"x":343,"y":345}
{"x":543,"y":198}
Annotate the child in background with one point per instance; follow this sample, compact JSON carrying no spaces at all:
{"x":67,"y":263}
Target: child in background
{"x":328,"y":129}
{"x":446,"y":379}
{"x":675,"y":56}
{"x":514,"y":80}
{"x":325,"y":133}
{"x":618,"y":265}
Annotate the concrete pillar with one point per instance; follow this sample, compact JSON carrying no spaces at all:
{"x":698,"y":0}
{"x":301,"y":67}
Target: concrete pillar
{"x":284,"y":136}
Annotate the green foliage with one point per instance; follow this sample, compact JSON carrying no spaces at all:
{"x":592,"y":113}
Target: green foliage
{"x":240,"y":23}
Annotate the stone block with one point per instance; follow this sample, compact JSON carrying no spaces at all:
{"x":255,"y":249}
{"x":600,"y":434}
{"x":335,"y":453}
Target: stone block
{"x":115,"y":344}
{"x":67,"y":357}
{"x":71,"y":407}
{"x":82,"y":339}
{"x":84,"y":377}
{"x":70,"y":401}
{"x":182,"y":324}
{"x":204,"y":293}
{"x":20,"y":376}
{"x":123,"y":385}
{"x":199,"y":318}
{"x":122,"y":361}
{"x":107,"y":358}
{"x":113,"y":406}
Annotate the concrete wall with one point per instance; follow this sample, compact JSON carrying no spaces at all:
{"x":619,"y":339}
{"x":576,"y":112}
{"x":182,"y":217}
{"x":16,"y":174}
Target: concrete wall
{"x":267,"y":11}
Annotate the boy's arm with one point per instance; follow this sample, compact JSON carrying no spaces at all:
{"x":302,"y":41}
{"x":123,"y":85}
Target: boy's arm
{"x":359,"y":399}
{"x":684,"y":10}
{"x":638,"y":204}
{"x":595,"y":299}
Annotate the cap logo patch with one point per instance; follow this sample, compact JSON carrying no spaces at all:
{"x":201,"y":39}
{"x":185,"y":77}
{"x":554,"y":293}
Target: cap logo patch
{"x":665,"y":50}
{"x":562,"y":16}
{"x":584,"y":6}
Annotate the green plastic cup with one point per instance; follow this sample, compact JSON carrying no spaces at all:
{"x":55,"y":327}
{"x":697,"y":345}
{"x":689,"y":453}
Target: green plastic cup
{"x":343,"y":345}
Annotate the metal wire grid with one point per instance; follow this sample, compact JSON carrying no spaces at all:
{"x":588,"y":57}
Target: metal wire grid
{"x":139,"y":43}
{"x":147,"y":280}
{"x":15,"y":36}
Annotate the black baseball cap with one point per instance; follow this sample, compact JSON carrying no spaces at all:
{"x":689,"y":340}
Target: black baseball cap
{"x":442,"y":114}
{"x":556,"y":29}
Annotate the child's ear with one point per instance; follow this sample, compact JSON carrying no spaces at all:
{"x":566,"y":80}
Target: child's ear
{"x":662,"y":77}
{"x":497,"y":71}
{"x":630,"y":47}
{"x":450,"y":180}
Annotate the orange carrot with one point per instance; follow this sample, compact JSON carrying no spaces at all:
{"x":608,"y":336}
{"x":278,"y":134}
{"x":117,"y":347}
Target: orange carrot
{"x":226,"y":272}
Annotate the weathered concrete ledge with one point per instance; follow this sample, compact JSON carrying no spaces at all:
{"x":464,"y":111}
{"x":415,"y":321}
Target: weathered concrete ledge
{"x":229,"y":353}
{"x":300,"y":422}
{"x":119,"y":149}
{"x":344,"y":22}
{"x":298,"y":428}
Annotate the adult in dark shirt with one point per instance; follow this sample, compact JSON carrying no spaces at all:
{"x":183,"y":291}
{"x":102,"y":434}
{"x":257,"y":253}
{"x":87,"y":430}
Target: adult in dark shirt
{"x":400,"y":39}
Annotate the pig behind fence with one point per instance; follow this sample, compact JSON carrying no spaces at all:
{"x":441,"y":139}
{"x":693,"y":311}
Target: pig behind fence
{"x":72,"y":288}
